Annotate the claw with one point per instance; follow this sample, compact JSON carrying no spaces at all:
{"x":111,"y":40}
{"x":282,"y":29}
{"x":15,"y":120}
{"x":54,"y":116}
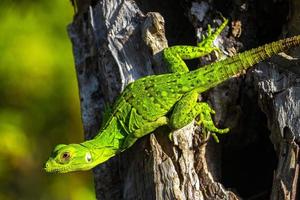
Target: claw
{"x":214,"y":132}
{"x":212,"y":111}
{"x":207,"y":41}
{"x":209,"y":30}
{"x":207,"y":123}
{"x":170,"y":136}
{"x":215,"y":137}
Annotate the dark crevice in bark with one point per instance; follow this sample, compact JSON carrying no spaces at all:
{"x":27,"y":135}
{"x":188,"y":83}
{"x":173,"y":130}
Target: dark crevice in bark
{"x":178,"y":27}
{"x":262,"y":20}
{"x":248,"y":156}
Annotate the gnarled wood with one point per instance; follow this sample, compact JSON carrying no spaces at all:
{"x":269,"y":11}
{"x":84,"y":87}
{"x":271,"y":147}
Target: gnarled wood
{"x":115,"y":43}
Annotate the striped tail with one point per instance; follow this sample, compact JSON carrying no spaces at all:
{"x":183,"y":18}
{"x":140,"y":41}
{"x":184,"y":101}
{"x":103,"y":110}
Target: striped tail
{"x":217,"y":72}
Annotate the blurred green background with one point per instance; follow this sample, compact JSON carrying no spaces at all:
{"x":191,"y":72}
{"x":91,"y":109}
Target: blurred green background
{"x":39,"y":103}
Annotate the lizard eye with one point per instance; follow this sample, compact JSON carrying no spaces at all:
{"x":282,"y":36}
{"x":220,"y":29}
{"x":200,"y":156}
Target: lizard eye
{"x":88,"y":157}
{"x":65,"y":156}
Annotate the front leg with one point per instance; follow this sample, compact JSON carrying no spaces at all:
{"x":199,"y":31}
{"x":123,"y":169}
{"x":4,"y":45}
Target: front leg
{"x":207,"y":42}
{"x":187,"y":109}
{"x":147,"y":128}
{"x":174,"y":56}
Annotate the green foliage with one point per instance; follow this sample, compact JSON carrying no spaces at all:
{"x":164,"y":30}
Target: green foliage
{"x":39,"y":104}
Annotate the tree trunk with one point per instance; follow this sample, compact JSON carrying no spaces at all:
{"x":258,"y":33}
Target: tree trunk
{"x":117,"y":42}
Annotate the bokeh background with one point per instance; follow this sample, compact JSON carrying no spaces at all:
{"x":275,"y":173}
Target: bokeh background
{"x":39,"y":103}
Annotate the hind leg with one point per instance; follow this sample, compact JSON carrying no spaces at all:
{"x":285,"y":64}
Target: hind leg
{"x":187,"y":109}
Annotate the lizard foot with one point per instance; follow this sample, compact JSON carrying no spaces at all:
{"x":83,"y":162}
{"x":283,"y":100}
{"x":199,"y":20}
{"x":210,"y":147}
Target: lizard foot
{"x":207,"y":123}
{"x":207,"y":41}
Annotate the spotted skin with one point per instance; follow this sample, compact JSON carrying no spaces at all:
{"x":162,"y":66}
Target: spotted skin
{"x":167,"y":99}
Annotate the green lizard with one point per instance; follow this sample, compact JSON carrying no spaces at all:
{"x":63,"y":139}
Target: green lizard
{"x":157,"y":100}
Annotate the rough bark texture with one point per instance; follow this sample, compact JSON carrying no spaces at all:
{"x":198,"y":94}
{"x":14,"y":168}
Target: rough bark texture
{"x":114,"y":43}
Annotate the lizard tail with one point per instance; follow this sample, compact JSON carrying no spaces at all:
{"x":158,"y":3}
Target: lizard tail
{"x":217,"y":72}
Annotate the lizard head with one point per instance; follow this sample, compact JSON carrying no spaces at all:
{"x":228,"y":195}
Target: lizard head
{"x":67,"y":158}
{"x":76,"y":157}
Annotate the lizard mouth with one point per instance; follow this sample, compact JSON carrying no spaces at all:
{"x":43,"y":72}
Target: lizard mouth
{"x":52,"y":167}
{"x":49,"y":169}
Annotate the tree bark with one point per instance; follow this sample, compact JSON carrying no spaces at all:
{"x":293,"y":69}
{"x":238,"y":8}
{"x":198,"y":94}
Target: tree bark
{"x":117,"y":42}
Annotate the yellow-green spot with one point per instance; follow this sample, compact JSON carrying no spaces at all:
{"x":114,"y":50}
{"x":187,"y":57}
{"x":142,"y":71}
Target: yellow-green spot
{"x":164,"y":93}
{"x":185,"y":89}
